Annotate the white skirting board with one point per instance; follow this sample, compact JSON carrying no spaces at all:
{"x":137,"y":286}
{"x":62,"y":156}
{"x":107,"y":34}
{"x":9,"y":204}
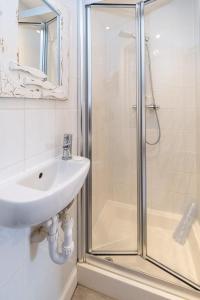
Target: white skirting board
{"x":119,"y":287}
{"x":70,"y":286}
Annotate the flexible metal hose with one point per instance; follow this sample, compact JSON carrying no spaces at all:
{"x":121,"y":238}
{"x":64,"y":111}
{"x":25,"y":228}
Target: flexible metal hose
{"x":153,"y":99}
{"x":124,"y":34}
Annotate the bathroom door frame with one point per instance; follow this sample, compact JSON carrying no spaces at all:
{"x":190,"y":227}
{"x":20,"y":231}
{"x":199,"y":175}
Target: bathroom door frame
{"x":85,"y":136}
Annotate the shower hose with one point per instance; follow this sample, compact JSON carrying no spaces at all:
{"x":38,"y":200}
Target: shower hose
{"x":153,"y":99}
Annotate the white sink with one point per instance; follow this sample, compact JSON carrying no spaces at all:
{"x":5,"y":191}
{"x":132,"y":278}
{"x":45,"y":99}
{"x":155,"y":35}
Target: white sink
{"x":40,"y":193}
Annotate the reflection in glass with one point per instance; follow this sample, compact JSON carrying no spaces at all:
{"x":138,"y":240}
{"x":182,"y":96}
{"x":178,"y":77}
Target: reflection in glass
{"x":38,"y":39}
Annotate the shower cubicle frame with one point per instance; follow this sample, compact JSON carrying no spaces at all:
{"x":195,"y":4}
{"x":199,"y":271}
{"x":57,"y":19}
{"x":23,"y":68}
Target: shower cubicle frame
{"x":85,"y":251}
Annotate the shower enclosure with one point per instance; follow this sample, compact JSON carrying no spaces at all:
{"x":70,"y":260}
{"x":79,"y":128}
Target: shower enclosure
{"x":141,"y":117}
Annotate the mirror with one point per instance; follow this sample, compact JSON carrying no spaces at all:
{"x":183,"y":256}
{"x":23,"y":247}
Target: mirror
{"x":38,"y":38}
{"x":34,"y":49}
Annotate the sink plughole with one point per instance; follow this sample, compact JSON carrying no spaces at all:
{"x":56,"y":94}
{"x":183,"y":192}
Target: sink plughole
{"x":40,"y":193}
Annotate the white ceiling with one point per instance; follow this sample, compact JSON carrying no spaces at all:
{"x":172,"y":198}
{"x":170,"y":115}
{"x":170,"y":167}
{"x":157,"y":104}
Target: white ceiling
{"x":29,"y":4}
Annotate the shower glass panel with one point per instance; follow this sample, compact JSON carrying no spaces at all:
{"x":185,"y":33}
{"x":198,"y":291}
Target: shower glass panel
{"x":173,"y":165}
{"x":113,"y":195}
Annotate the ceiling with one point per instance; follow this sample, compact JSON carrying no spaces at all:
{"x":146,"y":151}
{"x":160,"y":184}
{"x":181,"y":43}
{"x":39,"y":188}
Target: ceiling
{"x":37,"y":18}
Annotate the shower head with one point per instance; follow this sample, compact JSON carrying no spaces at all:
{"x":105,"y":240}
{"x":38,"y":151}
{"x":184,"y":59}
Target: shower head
{"x":128,"y":35}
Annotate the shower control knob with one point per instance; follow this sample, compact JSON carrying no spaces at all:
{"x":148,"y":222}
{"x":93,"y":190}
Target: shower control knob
{"x":149,"y":106}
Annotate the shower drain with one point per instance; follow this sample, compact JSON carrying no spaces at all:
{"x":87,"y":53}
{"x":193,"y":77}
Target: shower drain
{"x":108,"y":258}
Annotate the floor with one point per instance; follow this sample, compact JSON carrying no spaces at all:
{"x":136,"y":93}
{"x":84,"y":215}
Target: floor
{"x":83,"y":293}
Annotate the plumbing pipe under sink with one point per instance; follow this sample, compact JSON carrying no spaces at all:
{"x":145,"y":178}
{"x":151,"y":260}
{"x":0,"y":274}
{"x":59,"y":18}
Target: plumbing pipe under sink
{"x":52,"y":227}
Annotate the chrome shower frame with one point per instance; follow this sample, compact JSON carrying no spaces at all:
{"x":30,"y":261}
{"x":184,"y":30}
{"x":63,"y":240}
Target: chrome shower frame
{"x":85,"y":252}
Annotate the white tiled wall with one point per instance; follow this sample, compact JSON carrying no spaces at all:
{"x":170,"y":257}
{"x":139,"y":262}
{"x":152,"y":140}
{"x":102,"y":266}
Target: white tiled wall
{"x":31,"y":131}
{"x":172,"y":166}
{"x":113,"y":119}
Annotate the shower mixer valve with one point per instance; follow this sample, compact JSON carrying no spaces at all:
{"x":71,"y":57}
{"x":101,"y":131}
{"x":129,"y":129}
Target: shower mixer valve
{"x":150,"y":106}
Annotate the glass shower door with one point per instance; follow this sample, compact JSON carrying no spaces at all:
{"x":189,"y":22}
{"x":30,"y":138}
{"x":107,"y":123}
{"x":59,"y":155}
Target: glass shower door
{"x":112,"y":129}
{"x":173,"y":169}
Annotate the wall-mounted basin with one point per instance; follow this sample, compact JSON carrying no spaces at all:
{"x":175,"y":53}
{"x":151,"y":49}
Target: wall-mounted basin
{"x":40,"y":193}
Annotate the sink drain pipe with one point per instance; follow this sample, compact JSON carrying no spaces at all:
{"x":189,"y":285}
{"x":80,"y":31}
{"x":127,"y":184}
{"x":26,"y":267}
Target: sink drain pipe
{"x":52,"y":227}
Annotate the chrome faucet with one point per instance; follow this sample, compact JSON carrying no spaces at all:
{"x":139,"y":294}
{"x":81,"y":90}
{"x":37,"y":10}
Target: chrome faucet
{"x":67,"y":147}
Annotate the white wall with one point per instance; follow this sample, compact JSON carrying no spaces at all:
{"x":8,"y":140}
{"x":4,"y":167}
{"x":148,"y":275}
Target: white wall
{"x":114,"y":93}
{"x":31,"y":131}
{"x":172,"y":166}
{"x":29,"y":40}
